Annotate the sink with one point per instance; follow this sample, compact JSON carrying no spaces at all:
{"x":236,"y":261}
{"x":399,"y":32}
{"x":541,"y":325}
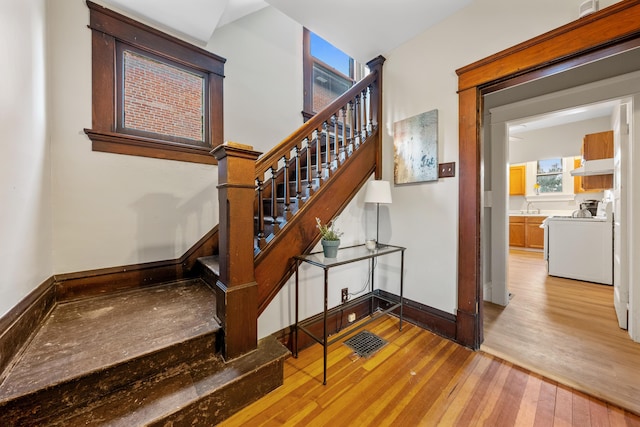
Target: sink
{"x":525,"y":213}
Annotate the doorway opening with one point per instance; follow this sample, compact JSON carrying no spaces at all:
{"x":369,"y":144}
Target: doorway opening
{"x":552,"y":323}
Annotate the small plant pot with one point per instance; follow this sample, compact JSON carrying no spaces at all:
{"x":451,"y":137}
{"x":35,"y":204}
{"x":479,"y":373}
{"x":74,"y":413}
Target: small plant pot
{"x":330,"y":248}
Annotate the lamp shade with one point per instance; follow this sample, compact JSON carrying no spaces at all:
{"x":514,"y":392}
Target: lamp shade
{"x":378,"y":192}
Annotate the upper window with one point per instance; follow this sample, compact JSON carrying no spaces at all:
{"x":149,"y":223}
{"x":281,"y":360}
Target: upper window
{"x":549,"y":176}
{"x":153,"y":95}
{"x":328,"y":73}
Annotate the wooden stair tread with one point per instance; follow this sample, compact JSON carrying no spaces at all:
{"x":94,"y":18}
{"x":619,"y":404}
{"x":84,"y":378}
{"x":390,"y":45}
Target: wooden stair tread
{"x":89,"y":335}
{"x":194,"y":392}
{"x":211,"y":262}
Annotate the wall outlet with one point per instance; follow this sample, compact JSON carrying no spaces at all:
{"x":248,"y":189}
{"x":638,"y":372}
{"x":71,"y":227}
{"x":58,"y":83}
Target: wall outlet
{"x":351,"y":317}
{"x":345,"y":295}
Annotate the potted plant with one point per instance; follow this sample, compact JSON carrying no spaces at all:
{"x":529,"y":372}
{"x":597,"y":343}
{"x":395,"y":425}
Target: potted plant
{"x":330,"y":238}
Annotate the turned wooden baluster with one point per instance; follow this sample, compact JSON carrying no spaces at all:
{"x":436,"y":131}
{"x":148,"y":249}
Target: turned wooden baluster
{"x":308,"y":167}
{"x":336,"y":147}
{"x":261,"y":238}
{"x":285,"y":188}
{"x":327,"y":150}
{"x":370,"y":110}
{"x":318,"y":156}
{"x":356,"y":123}
{"x":365,"y":110}
{"x":349,"y":126}
{"x":298,"y":167}
{"x":343,"y":143}
{"x":274,"y":200}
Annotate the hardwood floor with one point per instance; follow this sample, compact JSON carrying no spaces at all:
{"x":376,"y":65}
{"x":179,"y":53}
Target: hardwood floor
{"x":420,"y":379}
{"x":565,"y":330}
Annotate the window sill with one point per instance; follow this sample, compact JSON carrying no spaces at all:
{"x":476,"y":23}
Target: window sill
{"x":111,"y":142}
{"x":564,"y":197}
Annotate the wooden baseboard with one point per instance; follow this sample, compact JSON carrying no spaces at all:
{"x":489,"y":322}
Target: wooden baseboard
{"x":467,"y":332}
{"x":22,"y":321}
{"x":17,"y":325}
{"x":336,"y":322}
{"x":89,"y":283}
{"x":429,"y":318}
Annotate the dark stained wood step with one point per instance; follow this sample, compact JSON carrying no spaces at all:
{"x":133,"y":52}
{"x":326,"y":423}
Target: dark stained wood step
{"x":202,"y":394}
{"x":88,"y":348}
{"x":209,"y":269}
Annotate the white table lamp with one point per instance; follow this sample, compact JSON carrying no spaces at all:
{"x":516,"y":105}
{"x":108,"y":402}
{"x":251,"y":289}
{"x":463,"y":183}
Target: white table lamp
{"x":378,"y":192}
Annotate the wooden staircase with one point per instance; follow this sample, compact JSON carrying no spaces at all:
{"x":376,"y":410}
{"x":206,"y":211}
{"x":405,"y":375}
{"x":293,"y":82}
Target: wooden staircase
{"x":186,"y":352}
{"x":325,"y":163}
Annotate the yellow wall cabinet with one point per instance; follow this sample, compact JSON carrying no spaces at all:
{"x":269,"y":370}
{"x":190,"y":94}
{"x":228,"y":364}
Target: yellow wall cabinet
{"x":517,"y":180}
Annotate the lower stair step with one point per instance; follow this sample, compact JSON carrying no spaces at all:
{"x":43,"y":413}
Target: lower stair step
{"x":130,"y":358}
{"x":200,"y":395}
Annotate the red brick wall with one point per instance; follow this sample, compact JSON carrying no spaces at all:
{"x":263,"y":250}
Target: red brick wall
{"x":322,"y":97}
{"x":161,"y":98}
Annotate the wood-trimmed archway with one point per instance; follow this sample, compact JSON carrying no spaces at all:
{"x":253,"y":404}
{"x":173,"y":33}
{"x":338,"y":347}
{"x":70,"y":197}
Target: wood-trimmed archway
{"x":610,"y":31}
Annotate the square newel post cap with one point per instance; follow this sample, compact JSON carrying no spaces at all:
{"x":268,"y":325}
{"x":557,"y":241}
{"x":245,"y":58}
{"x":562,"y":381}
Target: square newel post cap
{"x":236,"y":150}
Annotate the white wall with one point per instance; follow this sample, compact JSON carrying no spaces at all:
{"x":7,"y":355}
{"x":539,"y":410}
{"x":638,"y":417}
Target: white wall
{"x":25,"y":165}
{"x":420,"y":76}
{"x":263,"y":83}
{"x":111,"y":210}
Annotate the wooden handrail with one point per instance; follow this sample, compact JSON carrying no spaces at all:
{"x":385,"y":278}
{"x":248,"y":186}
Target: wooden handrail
{"x":290,"y":174}
{"x":314,"y":172}
{"x":277,"y":152}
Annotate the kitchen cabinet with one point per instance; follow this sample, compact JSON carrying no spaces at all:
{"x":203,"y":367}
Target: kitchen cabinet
{"x":577,"y":180}
{"x":525,"y":232}
{"x":534,"y":235}
{"x":517,"y":180}
{"x":516,"y":231}
{"x":597,"y":146}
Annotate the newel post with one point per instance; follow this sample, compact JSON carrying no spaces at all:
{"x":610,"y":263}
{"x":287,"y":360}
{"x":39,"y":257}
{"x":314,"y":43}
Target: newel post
{"x":375,"y":65}
{"x":236,"y":289}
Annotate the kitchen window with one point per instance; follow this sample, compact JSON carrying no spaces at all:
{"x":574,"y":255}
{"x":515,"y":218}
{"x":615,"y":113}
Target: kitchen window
{"x":549,"y":176}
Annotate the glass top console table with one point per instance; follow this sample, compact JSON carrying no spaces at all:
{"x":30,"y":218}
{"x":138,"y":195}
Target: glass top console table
{"x":346,"y":255}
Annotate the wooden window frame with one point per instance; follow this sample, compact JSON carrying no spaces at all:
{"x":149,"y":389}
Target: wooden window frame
{"x":110,"y":31}
{"x":120,"y":93}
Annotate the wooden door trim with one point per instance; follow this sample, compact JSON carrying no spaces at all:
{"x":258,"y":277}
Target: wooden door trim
{"x":612,"y":30}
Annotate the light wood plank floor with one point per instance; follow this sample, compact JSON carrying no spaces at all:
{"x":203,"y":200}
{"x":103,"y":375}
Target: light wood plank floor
{"x":420,"y":379}
{"x":565,"y":330}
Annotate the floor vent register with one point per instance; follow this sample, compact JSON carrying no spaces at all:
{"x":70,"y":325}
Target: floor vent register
{"x":365,"y":344}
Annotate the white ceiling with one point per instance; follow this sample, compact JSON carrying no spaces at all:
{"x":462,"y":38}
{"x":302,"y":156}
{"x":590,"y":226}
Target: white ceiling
{"x":557,"y":118}
{"x":363,"y":29}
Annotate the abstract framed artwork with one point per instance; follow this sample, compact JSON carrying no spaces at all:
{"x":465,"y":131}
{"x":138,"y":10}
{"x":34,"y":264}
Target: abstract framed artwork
{"x":415,"y":148}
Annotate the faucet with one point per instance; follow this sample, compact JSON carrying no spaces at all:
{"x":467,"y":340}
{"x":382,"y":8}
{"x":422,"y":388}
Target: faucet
{"x":530,"y":210}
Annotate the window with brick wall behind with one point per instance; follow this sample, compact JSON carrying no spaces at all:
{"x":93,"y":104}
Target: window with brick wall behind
{"x":162,"y":99}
